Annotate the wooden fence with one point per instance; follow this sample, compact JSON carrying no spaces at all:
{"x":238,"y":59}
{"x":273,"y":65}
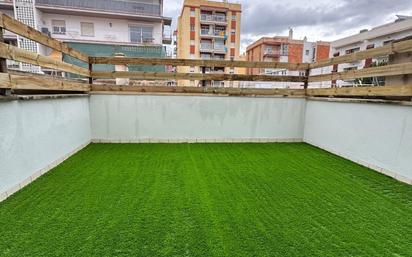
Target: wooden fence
{"x":25,"y":81}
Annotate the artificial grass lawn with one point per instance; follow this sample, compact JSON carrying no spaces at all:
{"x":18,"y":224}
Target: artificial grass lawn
{"x":208,"y":200}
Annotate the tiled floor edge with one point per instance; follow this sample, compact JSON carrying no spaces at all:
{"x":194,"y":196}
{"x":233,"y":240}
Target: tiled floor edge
{"x":6,"y":194}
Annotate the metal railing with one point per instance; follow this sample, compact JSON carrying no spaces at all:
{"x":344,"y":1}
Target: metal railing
{"x":206,"y":46}
{"x":212,"y":18}
{"x":105,"y":6}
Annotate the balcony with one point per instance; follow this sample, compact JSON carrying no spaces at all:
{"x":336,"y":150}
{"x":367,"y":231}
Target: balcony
{"x":167,"y":38}
{"x":211,"y":33}
{"x":206,"y":47}
{"x":219,"y":48}
{"x":271,"y":54}
{"x":213,"y":18}
{"x":104,"y":6}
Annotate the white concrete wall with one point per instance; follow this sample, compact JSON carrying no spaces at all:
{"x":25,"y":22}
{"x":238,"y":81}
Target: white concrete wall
{"x":37,"y":134}
{"x":374,"y":135}
{"x":143,"y":118}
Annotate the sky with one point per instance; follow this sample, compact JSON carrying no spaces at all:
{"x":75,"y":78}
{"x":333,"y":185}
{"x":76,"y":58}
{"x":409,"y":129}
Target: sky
{"x":316,"y":19}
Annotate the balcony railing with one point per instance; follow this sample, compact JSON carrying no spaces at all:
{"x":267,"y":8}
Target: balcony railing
{"x":206,"y":46}
{"x":213,"y":18}
{"x":271,"y":53}
{"x":216,"y":33}
{"x":105,"y":6}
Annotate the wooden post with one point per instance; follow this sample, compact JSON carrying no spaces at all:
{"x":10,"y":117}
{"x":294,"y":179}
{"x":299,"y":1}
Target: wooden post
{"x":203,"y":81}
{"x":306,"y":84}
{"x":90,"y":70}
{"x":3,"y":65}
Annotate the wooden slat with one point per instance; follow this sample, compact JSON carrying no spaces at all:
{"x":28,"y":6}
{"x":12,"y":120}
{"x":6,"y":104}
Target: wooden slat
{"x":192,"y":76}
{"x":196,"y":90}
{"x":21,"y":55}
{"x":39,"y":82}
{"x":396,"y":47}
{"x":191,"y":62}
{"x":362,"y":91}
{"x":23,"y":30}
{"x":388,"y":70}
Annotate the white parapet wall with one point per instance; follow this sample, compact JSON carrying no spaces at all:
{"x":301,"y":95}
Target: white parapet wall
{"x":148,"y":118}
{"x":36,"y":135}
{"x":378,"y":136}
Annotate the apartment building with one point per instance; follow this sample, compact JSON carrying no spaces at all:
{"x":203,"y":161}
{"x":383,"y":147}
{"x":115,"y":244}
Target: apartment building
{"x":368,"y":39}
{"x":96,"y":27}
{"x":284,"y":49}
{"x":208,"y":30}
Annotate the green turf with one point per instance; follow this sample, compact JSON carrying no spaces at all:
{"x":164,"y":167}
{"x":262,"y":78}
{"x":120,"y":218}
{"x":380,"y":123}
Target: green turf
{"x":208,"y":200}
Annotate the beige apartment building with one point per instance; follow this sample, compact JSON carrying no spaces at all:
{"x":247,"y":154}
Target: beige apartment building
{"x":208,"y":30}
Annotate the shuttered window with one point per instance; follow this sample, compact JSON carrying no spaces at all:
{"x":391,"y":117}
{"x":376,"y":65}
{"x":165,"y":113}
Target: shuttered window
{"x":87,"y":29}
{"x":59,"y":27}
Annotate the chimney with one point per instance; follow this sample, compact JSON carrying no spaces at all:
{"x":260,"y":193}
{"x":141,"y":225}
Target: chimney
{"x":290,"y":33}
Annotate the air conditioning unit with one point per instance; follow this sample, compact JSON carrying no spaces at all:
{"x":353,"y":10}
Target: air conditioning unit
{"x":46,"y":31}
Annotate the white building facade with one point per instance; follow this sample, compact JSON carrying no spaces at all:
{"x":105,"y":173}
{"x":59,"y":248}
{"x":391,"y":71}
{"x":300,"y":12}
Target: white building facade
{"x":368,"y":39}
{"x":96,"y":27}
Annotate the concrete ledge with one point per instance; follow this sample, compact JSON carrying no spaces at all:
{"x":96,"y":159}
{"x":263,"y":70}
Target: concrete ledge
{"x":36,"y":175}
{"x":360,"y":100}
{"x":381,"y":170}
{"x":199,"y":140}
{"x":40,"y":97}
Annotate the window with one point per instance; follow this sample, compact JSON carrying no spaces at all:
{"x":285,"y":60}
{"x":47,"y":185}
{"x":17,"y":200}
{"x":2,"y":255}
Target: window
{"x":87,"y":29}
{"x":192,"y":27}
{"x":284,"y":49}
{"x":353,"y":50}
{"x":307,"y":52}
{"x":140,"y":34}
{"x":59,"y":27}
{"x":350,"y":68}
{"x":192,"y":13}
{"x":233,"y":31}
{"x":234,"y":17}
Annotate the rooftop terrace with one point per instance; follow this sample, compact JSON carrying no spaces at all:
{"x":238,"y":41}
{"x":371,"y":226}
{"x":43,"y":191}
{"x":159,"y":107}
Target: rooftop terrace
{"x":95,"y":169}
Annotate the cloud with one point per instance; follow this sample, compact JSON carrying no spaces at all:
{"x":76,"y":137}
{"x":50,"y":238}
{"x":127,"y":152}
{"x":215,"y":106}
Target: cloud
{"x":317,"y":19}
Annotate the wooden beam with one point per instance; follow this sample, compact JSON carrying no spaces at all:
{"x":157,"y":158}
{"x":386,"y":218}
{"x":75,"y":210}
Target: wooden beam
{"x":23,"y":30}
{"x":203,"y":63}
{"x":362,"y":91}
{"x":21,"y":55}
{"x":196,"y":90}
{"x":40,"y":82}
{"x":381,"y":71}
{"x":396,"y":47}
{"x":193,"y":76}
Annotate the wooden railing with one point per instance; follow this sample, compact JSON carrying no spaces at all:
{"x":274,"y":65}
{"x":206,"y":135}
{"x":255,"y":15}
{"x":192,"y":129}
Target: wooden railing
{"x":24,"y":81}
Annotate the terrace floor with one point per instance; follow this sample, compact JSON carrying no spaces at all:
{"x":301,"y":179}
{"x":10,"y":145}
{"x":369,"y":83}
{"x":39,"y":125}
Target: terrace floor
{"x":208,"y":200}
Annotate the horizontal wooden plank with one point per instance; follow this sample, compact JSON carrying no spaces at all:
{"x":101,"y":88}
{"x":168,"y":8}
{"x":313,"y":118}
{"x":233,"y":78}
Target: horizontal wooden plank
{"x":362,"y":91}
{"x":203,"y":63}
{"x":396,"y":47}
{"x":197,"y":90}
{"x":382,"y":71}
{"x":23,"y":30}
{"x":40,"y":82}
{"x":193,"y":76}
{"x":14,"y":53}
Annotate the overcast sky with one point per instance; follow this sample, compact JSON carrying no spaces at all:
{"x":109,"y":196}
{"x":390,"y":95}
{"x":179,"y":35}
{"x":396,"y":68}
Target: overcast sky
{"x":317,"y":19}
